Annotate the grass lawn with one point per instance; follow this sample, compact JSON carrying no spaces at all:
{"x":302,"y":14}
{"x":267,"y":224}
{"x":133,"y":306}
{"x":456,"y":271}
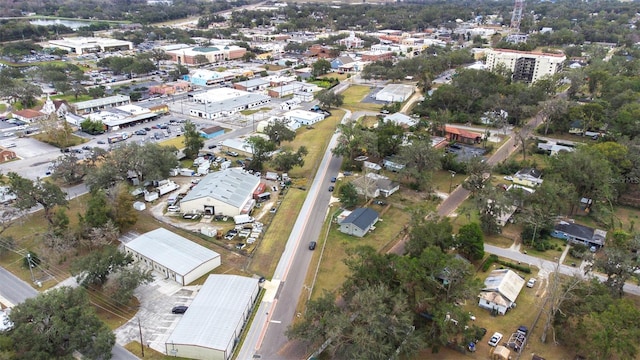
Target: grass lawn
{"x":71,"y":98}
{"x":113,"y":316}
{"x":177,"y":142}
{"x":353,"y":97}
{"x":135,"y":348}
{"x":340,"y":77}
{"x":72,"y":140}
{"x":315,"y":140}
{"x":268,"y":250}
{"x":253,"y":111}
{"x":442,"y":180}
{"x":3,"y":107}
{"x":368,"y":121}
{"x":333,"y":271}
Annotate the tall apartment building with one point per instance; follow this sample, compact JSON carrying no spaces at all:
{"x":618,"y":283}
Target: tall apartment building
{"x":526,"y":66}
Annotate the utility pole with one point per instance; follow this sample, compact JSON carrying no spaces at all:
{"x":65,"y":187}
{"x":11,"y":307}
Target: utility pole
{"x":30,"y":267}
{"x":141,"y":343}
{"x":453,"y":174}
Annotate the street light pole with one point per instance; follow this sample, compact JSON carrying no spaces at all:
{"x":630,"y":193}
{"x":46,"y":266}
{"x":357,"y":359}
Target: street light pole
{"x":453,"y":174}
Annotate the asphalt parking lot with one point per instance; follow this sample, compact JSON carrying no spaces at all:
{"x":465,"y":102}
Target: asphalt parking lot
{"x":156,"y":320}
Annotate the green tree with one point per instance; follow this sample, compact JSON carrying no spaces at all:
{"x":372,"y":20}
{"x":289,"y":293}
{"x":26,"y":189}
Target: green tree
{"x":348,"y":195}
{"x":126,"y":281}
{"x":97,"y":213}
{"x":374,"y":324}
{"x":30,"y":193}
{"x":427,"y":231}
{"x":279,"y":132}
{"x":421,"y":160}
{"x":470,"y":241}
{"x":193,"y":142}
{"x":261,"y":150}
{"x":95,"y":268}
{"x":68,"y":169}
{"x":320,"y":67}
{"x":479,"y":172}
{"x":92,"y":127}
{"x":328,"y":98}
{"x":57,"y":323}
{"x":286,"y":159}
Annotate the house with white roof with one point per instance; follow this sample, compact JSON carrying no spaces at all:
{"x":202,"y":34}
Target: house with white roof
{"x":501,"y":289}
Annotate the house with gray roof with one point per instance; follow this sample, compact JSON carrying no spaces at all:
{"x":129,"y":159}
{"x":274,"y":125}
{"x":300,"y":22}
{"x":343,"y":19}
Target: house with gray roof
{"x":173,"y":256}
{"x":227,"y":192}
{"x":501,"y":289}
{"x":579,"y":234}
{"x":359,"y":222}
{"x":211,"y":327}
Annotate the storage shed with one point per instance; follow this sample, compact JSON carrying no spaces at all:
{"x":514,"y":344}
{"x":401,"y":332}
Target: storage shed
{"x":212,"y":326}
{"x":172,"y":255}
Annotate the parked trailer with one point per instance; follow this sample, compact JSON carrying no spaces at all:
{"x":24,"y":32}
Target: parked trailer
{"x":167,"y":188}
{"x":186,"y":172}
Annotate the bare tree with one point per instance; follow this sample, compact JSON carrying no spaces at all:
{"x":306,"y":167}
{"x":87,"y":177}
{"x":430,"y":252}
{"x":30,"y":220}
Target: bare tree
{"x":558,"y":292}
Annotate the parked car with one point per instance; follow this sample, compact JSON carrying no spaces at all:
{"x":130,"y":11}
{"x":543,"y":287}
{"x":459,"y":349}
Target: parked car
{"x":191,"y":216}
{"x":312,"y":245}
{"x":173,"y":208}
{"x":101,"y":142}
{"x":180,"y":309}
{"x":495,"y":339}
{"x":380,"y":202}
{"x":333,"y":179}
{"x":212,"y":146}
{"x":531,"y":283}
{"x":273,"y":210}
{"x":331,"y":188}
{"x":86,"y":147}
{"x":523,"y":330}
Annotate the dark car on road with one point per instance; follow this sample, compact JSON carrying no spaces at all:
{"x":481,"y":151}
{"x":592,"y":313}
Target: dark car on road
{"x":312,"y":245}
{"x":180,"y":309}
{"x":331,"y":188}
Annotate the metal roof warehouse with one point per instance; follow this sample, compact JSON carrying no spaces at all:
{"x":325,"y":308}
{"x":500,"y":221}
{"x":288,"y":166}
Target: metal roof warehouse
{"x":172,"y":255}
{"x":212,"y":325}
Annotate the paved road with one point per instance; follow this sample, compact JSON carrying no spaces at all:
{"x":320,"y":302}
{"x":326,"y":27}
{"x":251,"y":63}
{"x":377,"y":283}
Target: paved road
{"x":548,"y":266}
{"x":266,"y":336}
{"x":459,"y":195}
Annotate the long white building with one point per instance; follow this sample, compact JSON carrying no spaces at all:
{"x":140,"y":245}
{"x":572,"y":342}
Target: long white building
{"x":217,"y":103}
{"x":526,"y":66}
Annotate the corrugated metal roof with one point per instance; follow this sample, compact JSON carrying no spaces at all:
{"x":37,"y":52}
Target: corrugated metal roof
{"x":173,"y":251}
{"x":506,"y":282}
{"x":233,"y":186}
{"x":101,"y":101}
{"x":216,"y":311}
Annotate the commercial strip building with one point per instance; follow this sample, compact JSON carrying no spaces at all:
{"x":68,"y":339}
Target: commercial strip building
{"x":84,"y":45}
{"x":212,"y":325}
{"x":526,"y":66}
{"x":189,"y":55}
{"x":172,"y":255}
{"x":95,"y":105}
{"x":217,"y":103}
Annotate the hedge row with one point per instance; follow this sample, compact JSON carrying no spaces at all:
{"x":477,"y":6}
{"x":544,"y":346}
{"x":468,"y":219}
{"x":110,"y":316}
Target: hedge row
{"x":494,"y":259}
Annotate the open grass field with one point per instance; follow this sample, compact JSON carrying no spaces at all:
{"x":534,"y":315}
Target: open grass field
{"x":177,"y":142}
{"x":333,"y":271}
{"x":253,"y":111}
{"x":315,"y":140}
{"x":353,"y":97}
{"x":71,"y":98}
{"x":443,"y":181}
{"x":267,"y":253}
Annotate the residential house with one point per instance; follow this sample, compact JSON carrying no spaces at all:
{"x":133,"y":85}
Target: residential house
{"x":211,"y":132}
{"x":374,"y":185}
{"x":580,"y":234}
{"x":461,"y":135}
{"x":529,"y":177}
{"x":392,"y":164}
{"x":359,"y":222}
{"x":341,"y":61}
{"x":501,"y":289}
